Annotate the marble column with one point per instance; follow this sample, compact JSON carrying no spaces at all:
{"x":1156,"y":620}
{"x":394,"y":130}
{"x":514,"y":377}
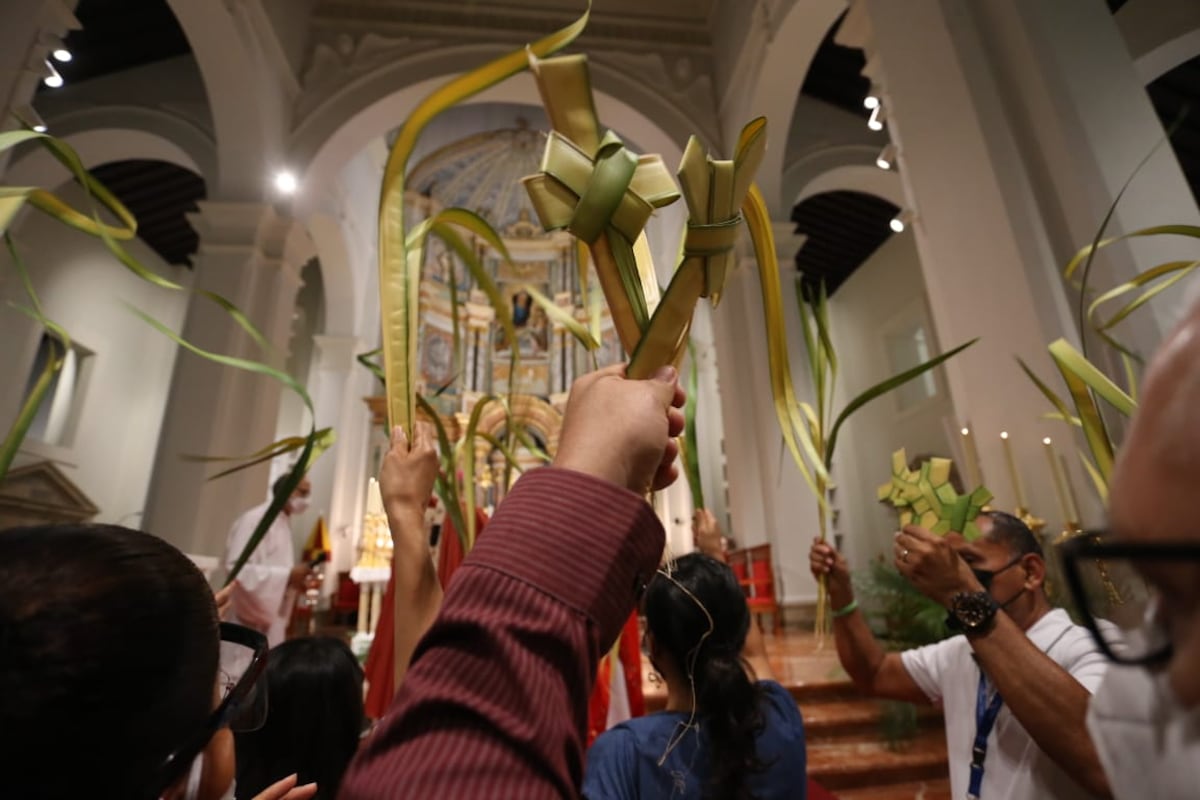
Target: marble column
{"x":251,"y":256}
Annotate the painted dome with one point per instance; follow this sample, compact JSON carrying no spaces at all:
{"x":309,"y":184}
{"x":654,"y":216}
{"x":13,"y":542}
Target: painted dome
{"x":482,"y":173}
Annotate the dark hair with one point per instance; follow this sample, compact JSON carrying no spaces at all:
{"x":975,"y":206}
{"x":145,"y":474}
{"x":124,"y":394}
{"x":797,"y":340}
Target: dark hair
{"x":728,"y":702}
{"x":280,"y":483}
{"x":108,"y":659}
{"x":1014,"y":534}
{"x":314,"y":688}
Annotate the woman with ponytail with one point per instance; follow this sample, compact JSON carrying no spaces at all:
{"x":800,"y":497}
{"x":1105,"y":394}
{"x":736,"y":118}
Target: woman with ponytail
{"x":724,"y":735}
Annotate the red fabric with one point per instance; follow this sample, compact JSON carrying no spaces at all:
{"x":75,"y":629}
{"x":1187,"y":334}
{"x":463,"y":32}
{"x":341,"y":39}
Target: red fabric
{"x":495,"y":702}
{"x":379,"y":669}
{"x":630,"y":653}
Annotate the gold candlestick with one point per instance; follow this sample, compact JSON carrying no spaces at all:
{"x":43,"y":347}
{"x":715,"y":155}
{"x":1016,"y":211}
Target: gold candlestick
{"x":1012,"y":470}
{"x":1060,"y":490}
{"x":971,"y":455}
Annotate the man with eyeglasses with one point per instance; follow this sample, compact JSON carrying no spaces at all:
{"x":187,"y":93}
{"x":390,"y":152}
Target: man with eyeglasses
{"x":1014,"y":685}
{"x":1138,"y":586}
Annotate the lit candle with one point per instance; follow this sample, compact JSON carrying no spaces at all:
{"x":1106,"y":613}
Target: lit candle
{"x":1060,"y":490}
{"x":1012,"y":471}
{"x":971,"y":467}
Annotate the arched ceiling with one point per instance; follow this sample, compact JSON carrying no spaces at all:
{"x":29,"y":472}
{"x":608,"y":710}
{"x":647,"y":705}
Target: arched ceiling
{"x":116,"y":35}
{"x":843,"y":229}
{"x":159,"y":195}
{"x":483,"y":173}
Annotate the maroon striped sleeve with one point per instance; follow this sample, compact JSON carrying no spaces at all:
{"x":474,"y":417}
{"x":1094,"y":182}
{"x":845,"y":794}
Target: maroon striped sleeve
{"x":495,"y":702}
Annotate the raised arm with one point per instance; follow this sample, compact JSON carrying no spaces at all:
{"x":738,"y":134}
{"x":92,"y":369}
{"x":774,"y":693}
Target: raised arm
{"x":495,"y":700}
{"x":406,"y":482}
{"x":874,"y":670}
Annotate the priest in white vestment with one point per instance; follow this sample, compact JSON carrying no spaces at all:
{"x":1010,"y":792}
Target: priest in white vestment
{"x":266,"y":587}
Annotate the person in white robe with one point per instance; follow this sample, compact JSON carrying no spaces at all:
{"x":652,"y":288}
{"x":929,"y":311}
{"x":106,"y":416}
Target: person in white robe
{"x":266,"y":587}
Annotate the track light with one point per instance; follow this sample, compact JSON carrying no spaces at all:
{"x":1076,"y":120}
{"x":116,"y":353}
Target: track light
{"x":61,"y":55}
{"x":29,"y":118}
{"x":900,"y":221}
{"x":887,"y":157}
{"x":52,"y":79}
{"x":875,"y":123}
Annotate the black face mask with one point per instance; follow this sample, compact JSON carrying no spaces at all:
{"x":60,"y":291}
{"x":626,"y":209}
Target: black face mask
{"x":986,"y":576}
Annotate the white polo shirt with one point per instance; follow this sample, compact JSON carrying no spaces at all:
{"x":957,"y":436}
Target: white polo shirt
{"x":1015,"y":768}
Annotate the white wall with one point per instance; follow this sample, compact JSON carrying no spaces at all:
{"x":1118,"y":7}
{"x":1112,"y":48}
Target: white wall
{"x":87,"y":291}
{"x":885,"y":294}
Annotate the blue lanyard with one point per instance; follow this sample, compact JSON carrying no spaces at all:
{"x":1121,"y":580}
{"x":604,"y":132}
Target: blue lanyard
{"x":986,"y":712}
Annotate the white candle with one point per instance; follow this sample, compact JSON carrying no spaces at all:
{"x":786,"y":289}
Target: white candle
{"x":1012,"y":471}
{"x":374,"y":497}
{"x":1073,"y":502}
{"x":1056,"y":472}
{"x":971,"y":467}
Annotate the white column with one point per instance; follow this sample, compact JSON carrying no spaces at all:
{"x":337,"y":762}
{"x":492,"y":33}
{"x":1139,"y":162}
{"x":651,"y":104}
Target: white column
{"x":339,"y":476}
{"x":769,"y":501}
{"x":1016,"y":123}
{"x":246,"y":256}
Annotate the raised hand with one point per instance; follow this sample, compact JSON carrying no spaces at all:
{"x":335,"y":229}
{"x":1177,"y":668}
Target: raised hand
{"x":932,"y":565}
{"x":823,"y":560}
{"x":706,"y":533}
{"x":622,"y":430}
{"x":406,"y":478}
{"x":287,"y":789}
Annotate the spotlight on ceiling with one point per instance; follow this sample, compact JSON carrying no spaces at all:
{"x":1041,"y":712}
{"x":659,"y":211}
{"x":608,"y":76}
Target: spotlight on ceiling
{"x":61,"y":54}
{"x":900,"y":221}
{"x":875,"y":123}
{"x":871,"y":102}
{"x":887,"y":157}
{"x":29,"y":118}
{"x":52,"y":79}
{"x":285,"y":182}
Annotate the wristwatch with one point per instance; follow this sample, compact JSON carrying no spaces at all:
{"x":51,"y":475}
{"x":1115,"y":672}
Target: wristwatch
{"x":972,"y":613}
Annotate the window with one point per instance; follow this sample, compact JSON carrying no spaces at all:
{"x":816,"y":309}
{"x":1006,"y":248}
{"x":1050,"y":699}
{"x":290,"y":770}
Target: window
{"x":58,"y":414}
{"x":906,"y":348}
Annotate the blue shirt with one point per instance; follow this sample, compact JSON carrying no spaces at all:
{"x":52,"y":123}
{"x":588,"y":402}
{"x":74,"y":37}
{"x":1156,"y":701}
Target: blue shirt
{"x":623,"y":762}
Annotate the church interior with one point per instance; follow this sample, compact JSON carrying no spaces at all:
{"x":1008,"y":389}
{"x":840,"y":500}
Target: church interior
{"x":931,"y":171}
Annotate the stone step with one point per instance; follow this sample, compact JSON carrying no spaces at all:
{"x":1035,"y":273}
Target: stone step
{"x":859,"y":717}
{"x":868,"y":762}
{"x":916,"y":790}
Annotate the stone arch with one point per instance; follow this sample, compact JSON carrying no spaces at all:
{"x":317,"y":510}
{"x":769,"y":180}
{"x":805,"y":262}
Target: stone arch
{"x":776,"y":88}
{"x":534,"y":413}
{"x":864,"y":178}
{"x":342,"y":125}
{"x":118,"y":133}
{"x":247,"y":102}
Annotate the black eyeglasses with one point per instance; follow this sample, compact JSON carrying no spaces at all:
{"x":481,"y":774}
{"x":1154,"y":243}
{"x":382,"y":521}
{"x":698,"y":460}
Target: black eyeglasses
{"x":243,"y":706}
{"x":1115,"y":600}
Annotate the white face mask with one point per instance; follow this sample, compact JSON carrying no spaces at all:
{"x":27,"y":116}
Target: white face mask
{"x":1148,"y":743}
{"x":298,"y":505}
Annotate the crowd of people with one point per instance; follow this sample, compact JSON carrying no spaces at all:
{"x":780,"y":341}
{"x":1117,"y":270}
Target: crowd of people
{"x":121,"y":680}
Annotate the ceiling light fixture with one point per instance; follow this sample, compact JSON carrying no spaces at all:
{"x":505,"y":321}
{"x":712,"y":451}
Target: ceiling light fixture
{"x":871,"y":102}
{"x":29,"y":118}
{"x":887,"y":157}
{"x":285,"y":182}
{"x":52,"y":79}
{"x":61,"y":54}
{"x":900,"y":221}
{"x":875,"y":123}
